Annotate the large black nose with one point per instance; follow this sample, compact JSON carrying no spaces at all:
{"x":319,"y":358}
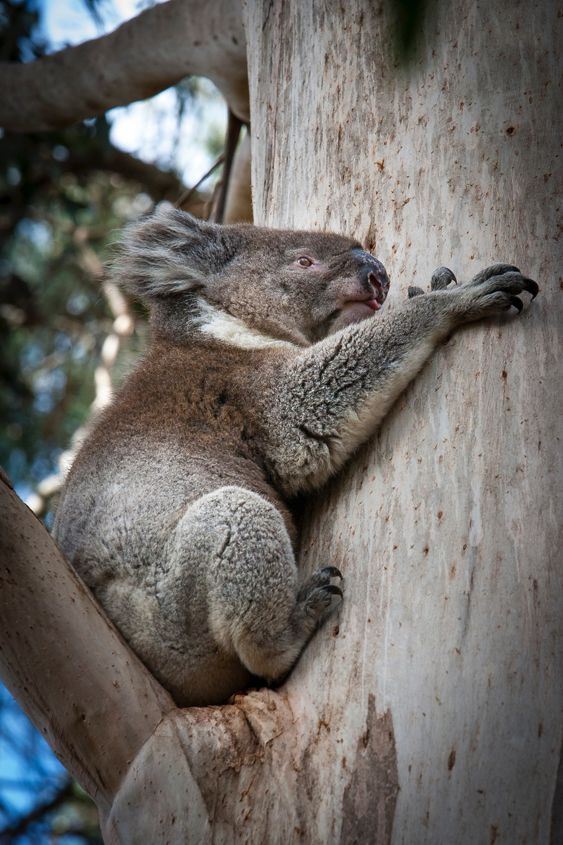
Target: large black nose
{"x":372,"y":272}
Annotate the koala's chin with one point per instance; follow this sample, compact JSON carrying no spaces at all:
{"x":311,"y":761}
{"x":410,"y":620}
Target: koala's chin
{"x":355,"y":312}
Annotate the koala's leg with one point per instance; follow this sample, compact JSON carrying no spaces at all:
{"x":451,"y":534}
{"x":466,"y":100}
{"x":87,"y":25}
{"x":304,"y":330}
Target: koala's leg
{"x":239,"y":545}
{"x":328,"y":399}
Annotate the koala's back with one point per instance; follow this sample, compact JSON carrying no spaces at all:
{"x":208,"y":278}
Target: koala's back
{"x":183,"y":426}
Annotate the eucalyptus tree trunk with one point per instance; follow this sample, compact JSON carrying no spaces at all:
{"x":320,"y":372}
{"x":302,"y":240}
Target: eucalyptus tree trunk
{"x":430,"y":712}
{"x":436,"y":712}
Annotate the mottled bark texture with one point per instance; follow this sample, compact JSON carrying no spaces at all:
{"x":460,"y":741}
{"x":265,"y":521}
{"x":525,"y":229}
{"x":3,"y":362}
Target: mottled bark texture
{"x":430,"y":712}
{"x":447,"y":525}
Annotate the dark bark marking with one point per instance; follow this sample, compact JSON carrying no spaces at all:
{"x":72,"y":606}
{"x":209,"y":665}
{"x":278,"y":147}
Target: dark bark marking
{"x":556,"y":832}
{"x":368,"y":806}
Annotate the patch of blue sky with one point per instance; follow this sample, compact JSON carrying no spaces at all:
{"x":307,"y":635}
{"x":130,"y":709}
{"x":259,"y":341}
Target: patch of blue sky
{"x":65,"y":22}
{"x":28,"y":767}
{"x":36,"y":231}
{"x":150,"y":130}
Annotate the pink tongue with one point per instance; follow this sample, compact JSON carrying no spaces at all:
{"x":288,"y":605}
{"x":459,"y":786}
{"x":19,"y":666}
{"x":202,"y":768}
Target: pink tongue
{"x":374,"y":304}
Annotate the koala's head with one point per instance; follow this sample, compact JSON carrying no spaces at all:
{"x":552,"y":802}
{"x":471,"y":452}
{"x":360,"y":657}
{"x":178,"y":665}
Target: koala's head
{"x":296,"y":286}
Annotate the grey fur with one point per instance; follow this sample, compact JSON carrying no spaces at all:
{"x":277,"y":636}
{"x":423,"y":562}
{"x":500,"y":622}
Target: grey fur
{"x":263,"y":376}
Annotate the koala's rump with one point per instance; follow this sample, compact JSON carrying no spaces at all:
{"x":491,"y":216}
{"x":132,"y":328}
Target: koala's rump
{"x":115,"y":521}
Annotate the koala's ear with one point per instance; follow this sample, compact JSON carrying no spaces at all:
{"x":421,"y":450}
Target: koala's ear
{"x":168,"y":253}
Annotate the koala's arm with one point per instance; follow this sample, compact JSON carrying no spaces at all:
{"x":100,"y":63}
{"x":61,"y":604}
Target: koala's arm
{"x":331,"y":397}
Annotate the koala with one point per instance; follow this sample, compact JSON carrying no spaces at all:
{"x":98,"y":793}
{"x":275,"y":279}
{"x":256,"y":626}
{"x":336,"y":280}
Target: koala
{"x":269,"y":364}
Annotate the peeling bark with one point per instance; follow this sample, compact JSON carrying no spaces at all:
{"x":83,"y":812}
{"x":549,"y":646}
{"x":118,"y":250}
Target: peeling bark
{"x":368,"y":805}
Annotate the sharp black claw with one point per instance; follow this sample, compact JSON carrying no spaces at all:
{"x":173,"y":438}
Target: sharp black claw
{"x":441,"y":278}
{"x":332,"y":588}
{"x":331,"y":572}
{"x":516,"y":302}
{"x":414,"y":291}
{"x":532,"y":287}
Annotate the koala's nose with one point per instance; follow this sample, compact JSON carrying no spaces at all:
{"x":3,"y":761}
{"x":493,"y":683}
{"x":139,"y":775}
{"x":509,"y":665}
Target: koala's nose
{"x":372,"y":273}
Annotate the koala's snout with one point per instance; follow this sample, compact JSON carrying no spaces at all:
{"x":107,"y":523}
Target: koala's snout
{"x":380,"y":285}
{"x":373,"y":275}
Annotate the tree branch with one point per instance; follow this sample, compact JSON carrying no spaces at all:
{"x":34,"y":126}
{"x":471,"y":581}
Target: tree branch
{"x":68,"y":667}
{"x":142,"y":57}
{"x":160,"y":184}
{"x":239,"y":194}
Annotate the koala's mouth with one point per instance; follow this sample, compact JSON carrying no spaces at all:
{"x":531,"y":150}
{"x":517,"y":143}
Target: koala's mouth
{"x":377,"y":285}
{"x":374,"y":304}
{"x":362,"y":301}
{"x":368,"y":303}
{"x":354,"y":309}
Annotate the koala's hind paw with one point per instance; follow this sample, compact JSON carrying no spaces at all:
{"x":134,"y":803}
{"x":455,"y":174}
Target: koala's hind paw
{"x":319,"y":578}
{"x":328,"y":572}
{"x":322,"y":602}
{"x":318,"y":596}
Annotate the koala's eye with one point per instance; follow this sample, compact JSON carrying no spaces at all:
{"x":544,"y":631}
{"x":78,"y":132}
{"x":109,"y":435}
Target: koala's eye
{"x":304,"y":261}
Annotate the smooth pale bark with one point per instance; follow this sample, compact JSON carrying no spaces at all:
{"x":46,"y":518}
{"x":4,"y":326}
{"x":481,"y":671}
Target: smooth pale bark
{"x":430,"y":711}
{"x":446,"y":526}
{"x":143,"y":56}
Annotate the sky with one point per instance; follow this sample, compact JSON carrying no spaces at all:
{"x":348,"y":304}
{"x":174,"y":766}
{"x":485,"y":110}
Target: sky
{"x":147,"y":129}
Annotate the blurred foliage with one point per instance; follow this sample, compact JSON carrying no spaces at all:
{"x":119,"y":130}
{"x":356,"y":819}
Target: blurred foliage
{"x":19,"y":36}
{"x":62,"y":195}
{"x":55,"y":227}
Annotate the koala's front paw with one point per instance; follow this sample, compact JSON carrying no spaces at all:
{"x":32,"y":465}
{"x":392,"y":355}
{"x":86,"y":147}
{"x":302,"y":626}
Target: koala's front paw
{"x":495,"y":290}
{"x":441,"y":278}
{"x":492,"y":291}
{"x":318,"y":596}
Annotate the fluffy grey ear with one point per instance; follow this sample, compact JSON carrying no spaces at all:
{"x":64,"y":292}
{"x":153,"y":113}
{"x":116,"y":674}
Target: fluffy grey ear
{"x":168,"y":253}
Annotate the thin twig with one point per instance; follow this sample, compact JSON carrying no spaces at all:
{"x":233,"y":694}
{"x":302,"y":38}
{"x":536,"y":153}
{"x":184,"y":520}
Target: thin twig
{"x":187,"y":194}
